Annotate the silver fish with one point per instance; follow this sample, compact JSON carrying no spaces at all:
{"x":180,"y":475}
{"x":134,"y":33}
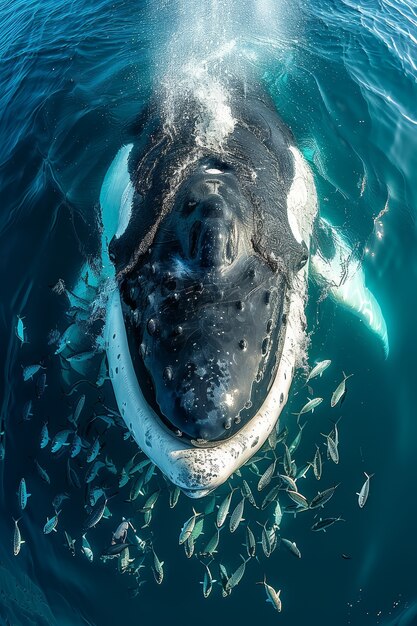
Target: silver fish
{"x":96,"y":514}
{"x":174,"y":494}
{"x":86,"y":549}
{"x":70,"y":543}
{"x":60,"y":440}
{"x":27,"y":411}
{"x":250,"y":542}
{"x":298,"y":498}
{"x":93,"y":470}
{"x":30,"y":370}
{"x":22,"y":494}
{"x":296,"y":441}
{"x":78,"y":409}
{"x":247,"y":492}
{"x":51,"y":524}
{"x":322,"y":497}
{"x":158,"y":570}
{"x":224,"y":509}
{"x":364,"y":492}
{"x":292,"y":547}
{"x":272,"y":596}
{"x":310,"y":406}
{"x":266,"y":477}
{"x":198,"y":528}
{"x":76,"y":445}
{"x":44,"y":438}
{"x":322,"y":524}
{"x":270,"y":496}
{"x":318,"y":369}
{"x":188,"y":528}
{"x":339,"y":391}
{"x":17,"y":538}
{"x":20,"y":330}
{"x":237,"y":515}
{"x":211,"y":546}
{"x":207,"y":582}
{"x":237,"y":575}
{"x":278,"y":514}
{"x":151,"y":501}
{"x":317,"y":464}
{"x":93,"y":451}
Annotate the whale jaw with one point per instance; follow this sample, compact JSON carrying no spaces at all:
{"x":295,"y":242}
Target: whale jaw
{"x":197,"y":471}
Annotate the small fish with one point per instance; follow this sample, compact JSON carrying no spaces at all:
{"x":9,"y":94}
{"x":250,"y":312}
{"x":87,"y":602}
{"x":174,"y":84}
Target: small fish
{"x":140,"y":466}
{"x":322,"y":524}
{"x":318,"y":369}
{"x":310,"y":406}
{"x":136,"y":488}
{"x":42,"y":473}
{"x":250,"y":542}
{"x":103,"y":374}
{"x":272,"y":596}
{"x":60,"y":440}
{"x":93,"y":471}
{"x":86,"y":549}
{"x":72,"y":476}
{"x":322,"y":497}
{"x":298,"y":498}
{"x":21,"y":330}
{"x":198,"y":528}
{"x":51,"y":524}
{"x":278,"y":514}
{"x":237,"y":515}
{"x":124,"y":560}
{"x":265,"y":542}
{"x":120,"y":533}
{"x":27,"y":411}
{"x":76,"y":446}
{"x":149,"y":473}
{"x":70,"y":543}
{"x":266,"y":477}
{"x":44,"y":438}
{"x":292,"y":547}
{"x":224,"y":578}
{"x":237,"y":575}
{"x":151,"y":501}
{"x":290,"y":482}
{"x":287,"y":461}
{"x":30,"y":370}
{"x":189,"y":546}
{"x":247,"y":492}
{"x":78,"y":409}
{"x":296,"y":441}
{"x":207,"y":582}
{"x":141,"y":544}
{"x":65,"y":339}
{"x":158,"y":570}
{"x":96,"y":514}
{"x":147,"y":518}
{"x":224,"y":509}
{"x":282,"y":435}
{"x":317,"y":464}
{"x":174,"y":495}
{"x":17,"y":538}
{"x":339,"y":391}
{"x":41,"y":384}
{"x":22,"y":494}
{"x":211,"y":546}
{"x":270,"y":496}
{"x":364,"y":492}
{"x":302,"y":472}
{"x":93,"y":451}
{"x":347,"y":557}
{"x":332,"y":449}
{"x":188,"y":528}
{"x":124,"y":478}
{"x":115,"y":549}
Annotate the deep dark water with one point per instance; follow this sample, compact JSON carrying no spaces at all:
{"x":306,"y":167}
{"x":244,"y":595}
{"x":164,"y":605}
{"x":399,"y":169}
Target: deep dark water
{"x":74,"y":80}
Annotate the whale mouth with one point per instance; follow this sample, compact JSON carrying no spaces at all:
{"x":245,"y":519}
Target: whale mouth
{"x":205,"y":353}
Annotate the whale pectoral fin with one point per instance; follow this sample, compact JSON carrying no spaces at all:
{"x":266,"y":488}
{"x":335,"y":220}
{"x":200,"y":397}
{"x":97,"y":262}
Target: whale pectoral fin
{"x":335,"y":266}
{"x":116,"y":198}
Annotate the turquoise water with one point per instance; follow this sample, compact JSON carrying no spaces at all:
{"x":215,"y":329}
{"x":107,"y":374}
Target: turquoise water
{"x":74,"y":80}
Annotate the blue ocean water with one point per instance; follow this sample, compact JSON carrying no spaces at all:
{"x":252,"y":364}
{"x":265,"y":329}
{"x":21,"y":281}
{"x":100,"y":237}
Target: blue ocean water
{"x":74,"y":79}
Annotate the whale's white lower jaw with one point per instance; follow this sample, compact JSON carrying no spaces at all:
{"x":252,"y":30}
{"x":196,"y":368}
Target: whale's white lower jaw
{"x":198,"y":471}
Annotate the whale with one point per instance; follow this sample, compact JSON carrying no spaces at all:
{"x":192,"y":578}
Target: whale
{"x":210,"y":235}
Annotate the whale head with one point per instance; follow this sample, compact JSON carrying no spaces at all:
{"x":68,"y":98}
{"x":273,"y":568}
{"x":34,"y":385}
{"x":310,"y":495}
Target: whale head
{"x":202,"y":330}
